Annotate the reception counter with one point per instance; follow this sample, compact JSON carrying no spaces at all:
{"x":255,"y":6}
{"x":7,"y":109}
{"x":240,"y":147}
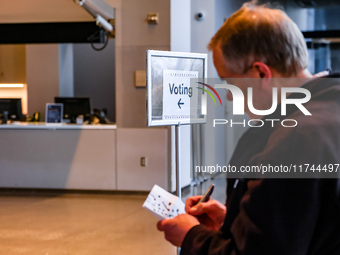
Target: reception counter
{"x":82,"y":157}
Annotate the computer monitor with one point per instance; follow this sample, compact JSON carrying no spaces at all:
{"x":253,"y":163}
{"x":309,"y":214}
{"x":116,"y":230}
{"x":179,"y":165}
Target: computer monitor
{"x":13,"y":108}
{"x":73,"y":107}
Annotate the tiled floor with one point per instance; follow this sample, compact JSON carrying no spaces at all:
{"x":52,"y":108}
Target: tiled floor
{"x":60,"y":224}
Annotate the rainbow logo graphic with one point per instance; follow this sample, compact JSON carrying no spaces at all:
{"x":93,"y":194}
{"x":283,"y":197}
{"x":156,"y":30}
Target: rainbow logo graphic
{"x":209,"y":93}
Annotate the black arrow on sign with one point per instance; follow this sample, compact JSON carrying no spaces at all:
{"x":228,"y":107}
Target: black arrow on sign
{"x":179,"y":103}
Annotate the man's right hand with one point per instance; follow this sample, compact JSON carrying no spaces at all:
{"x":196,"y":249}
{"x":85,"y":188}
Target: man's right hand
{"x":210,"y":213}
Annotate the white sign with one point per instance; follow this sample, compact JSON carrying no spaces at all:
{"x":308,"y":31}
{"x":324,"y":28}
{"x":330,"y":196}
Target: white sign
{"x":170,"y":99}
{"x":177,"y":93}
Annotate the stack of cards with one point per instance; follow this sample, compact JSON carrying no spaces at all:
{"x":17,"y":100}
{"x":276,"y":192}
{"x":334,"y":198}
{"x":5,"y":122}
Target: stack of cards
{"x":163,"y":204}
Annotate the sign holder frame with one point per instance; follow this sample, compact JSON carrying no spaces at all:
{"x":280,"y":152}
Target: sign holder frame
{"x":176,"y":123}
{"x":180,"y":56}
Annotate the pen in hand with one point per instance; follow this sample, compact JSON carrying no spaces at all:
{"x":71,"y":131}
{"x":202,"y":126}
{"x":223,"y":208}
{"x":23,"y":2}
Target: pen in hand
{"x":194,"y":207}
{"x":207,"y":194}
{"x":210,"y":213}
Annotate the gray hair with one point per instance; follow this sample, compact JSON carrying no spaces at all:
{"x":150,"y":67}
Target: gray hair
{"x":258,"y":33}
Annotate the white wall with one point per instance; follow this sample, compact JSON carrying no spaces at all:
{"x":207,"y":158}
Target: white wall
{"x":42,"y":72}
{"x":133,"y":37}
{"x":218,"y":144}
{"x":180,"y":11}
{"x":66,"y":70}
{"x":193,"y":35}
{"x":181,"y":41}
{"x":213,"y":146}
{"x":94,"y":76}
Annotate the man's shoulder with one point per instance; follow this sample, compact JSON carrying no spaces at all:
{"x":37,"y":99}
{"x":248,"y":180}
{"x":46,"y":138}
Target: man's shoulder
{"x":315,"y":138}
{"x":324,"y":119}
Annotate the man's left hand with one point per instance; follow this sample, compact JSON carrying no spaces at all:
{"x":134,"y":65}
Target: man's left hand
{"x":175,"y":229}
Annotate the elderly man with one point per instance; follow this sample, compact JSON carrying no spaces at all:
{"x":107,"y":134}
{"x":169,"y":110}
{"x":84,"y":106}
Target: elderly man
{"x":264,"y":215}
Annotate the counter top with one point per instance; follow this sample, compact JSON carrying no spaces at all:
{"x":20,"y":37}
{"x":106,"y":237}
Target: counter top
{"x":43,"y":125}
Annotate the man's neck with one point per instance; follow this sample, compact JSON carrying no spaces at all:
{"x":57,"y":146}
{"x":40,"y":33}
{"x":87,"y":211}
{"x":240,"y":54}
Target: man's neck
{"x":304,"y":74}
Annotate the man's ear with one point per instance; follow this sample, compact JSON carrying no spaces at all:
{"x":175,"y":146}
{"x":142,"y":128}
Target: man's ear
{"x":263,"y":71}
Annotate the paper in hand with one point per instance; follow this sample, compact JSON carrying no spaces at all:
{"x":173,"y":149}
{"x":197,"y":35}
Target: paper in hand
{"x":163,"y":204}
